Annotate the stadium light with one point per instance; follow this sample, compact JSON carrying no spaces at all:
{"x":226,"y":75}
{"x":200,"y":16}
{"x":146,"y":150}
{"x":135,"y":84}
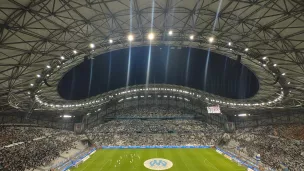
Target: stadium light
{"x":47,"y":75}
{"x":110,"y":41}
{"x":32,"y":84}
{"x":284,"y":74}
{"x":191,"y":37}
{"x":48,"y":66}
{"x":75,"y":51}
{"x":274,"y":65}
{"x":170,"y":32}
{"x":211,"y":39}
{"x":242,"y":115}
{"x":151,"y":36}
{"x":265,"y":57}
{"x":58,"y":66}
{"x":62,"y":57}
{"x":92,"y":45}
{"x":229,"y":43}
{"x":67,"y":116}
{"x":288,"y":82}
{"x":130,"y":37}
{"x":264,"y":65}
{"x":246,"y":49}
{"x":38,"y":75}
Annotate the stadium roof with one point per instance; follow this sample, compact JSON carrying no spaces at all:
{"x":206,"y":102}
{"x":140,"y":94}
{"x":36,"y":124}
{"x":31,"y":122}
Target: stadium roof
{"x":40,"y":40}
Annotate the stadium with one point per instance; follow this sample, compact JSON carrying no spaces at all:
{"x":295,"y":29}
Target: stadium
{"x":138,"y":85}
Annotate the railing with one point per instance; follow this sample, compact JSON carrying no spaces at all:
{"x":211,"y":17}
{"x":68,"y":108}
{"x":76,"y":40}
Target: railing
{"x":246,"y":161}
{"x":72,"y":161}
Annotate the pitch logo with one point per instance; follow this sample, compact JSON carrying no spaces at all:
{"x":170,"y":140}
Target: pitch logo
{"x":158,"y":164}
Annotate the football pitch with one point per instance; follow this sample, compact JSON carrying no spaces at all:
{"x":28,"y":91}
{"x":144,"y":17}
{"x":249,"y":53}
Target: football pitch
{"x":158,"y":159}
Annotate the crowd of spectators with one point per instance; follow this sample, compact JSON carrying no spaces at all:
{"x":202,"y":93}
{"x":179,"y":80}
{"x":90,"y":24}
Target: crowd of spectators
{"x":152,"y":111}
{"x":294,"y":131}
{"x":278,"y":146}
{"x":33,"y":147}
{"x":9,"y":135}
{"x":154,"y":132}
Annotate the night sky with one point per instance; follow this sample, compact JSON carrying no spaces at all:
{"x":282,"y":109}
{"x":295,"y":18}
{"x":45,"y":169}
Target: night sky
{"x":185,"y":66}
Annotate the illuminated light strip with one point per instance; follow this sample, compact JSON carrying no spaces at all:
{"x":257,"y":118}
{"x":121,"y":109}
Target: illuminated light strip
{"x":175,"y":90}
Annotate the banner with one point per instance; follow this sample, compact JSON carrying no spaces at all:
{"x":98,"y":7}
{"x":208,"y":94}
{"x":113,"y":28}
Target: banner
{"x":78,"y":128}
{"x":214,"y":109}
{"x":229,"y":127}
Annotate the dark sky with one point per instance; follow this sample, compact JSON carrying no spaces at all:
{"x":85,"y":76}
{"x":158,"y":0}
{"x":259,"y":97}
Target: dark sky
{"x":184,"y":67}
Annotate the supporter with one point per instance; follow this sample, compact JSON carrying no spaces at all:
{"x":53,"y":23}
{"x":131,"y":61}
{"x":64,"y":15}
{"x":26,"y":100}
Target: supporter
{"x":155,"y":132}
{"x":32,"y":153}
{"x":152,"y":111}
{"x":277,"y":145}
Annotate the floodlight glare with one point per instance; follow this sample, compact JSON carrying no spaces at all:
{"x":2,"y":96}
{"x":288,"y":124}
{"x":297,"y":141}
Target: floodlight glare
{"x":92,"y":45}
{"x":151,"y":36}
{"x":62,"y":57}
{"x":191,"y":37}
{"x":246,"y":49}
{"x":229,"y":43}
{"x":130,"y":37}
{"x":242,"y":115}
{"x":110,"y":41}
{"x":75,"y":51}
{"x":48,"y":66}
{"x":211,"y":39}
{"x":170,"y":32}
{"x":274,"y":65}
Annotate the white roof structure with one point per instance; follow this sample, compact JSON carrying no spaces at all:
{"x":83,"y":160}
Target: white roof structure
{"x":36,"y":34}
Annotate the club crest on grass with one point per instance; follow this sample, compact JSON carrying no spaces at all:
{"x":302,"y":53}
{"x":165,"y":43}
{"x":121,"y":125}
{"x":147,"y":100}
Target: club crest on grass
{"x":158,"y":164}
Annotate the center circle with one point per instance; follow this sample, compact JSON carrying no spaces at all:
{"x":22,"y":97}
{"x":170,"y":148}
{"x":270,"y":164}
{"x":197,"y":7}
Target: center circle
{"x":158,"y":164}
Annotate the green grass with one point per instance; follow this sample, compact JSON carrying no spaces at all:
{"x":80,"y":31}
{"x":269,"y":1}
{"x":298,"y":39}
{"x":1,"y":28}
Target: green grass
{"x":183,"y":160}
